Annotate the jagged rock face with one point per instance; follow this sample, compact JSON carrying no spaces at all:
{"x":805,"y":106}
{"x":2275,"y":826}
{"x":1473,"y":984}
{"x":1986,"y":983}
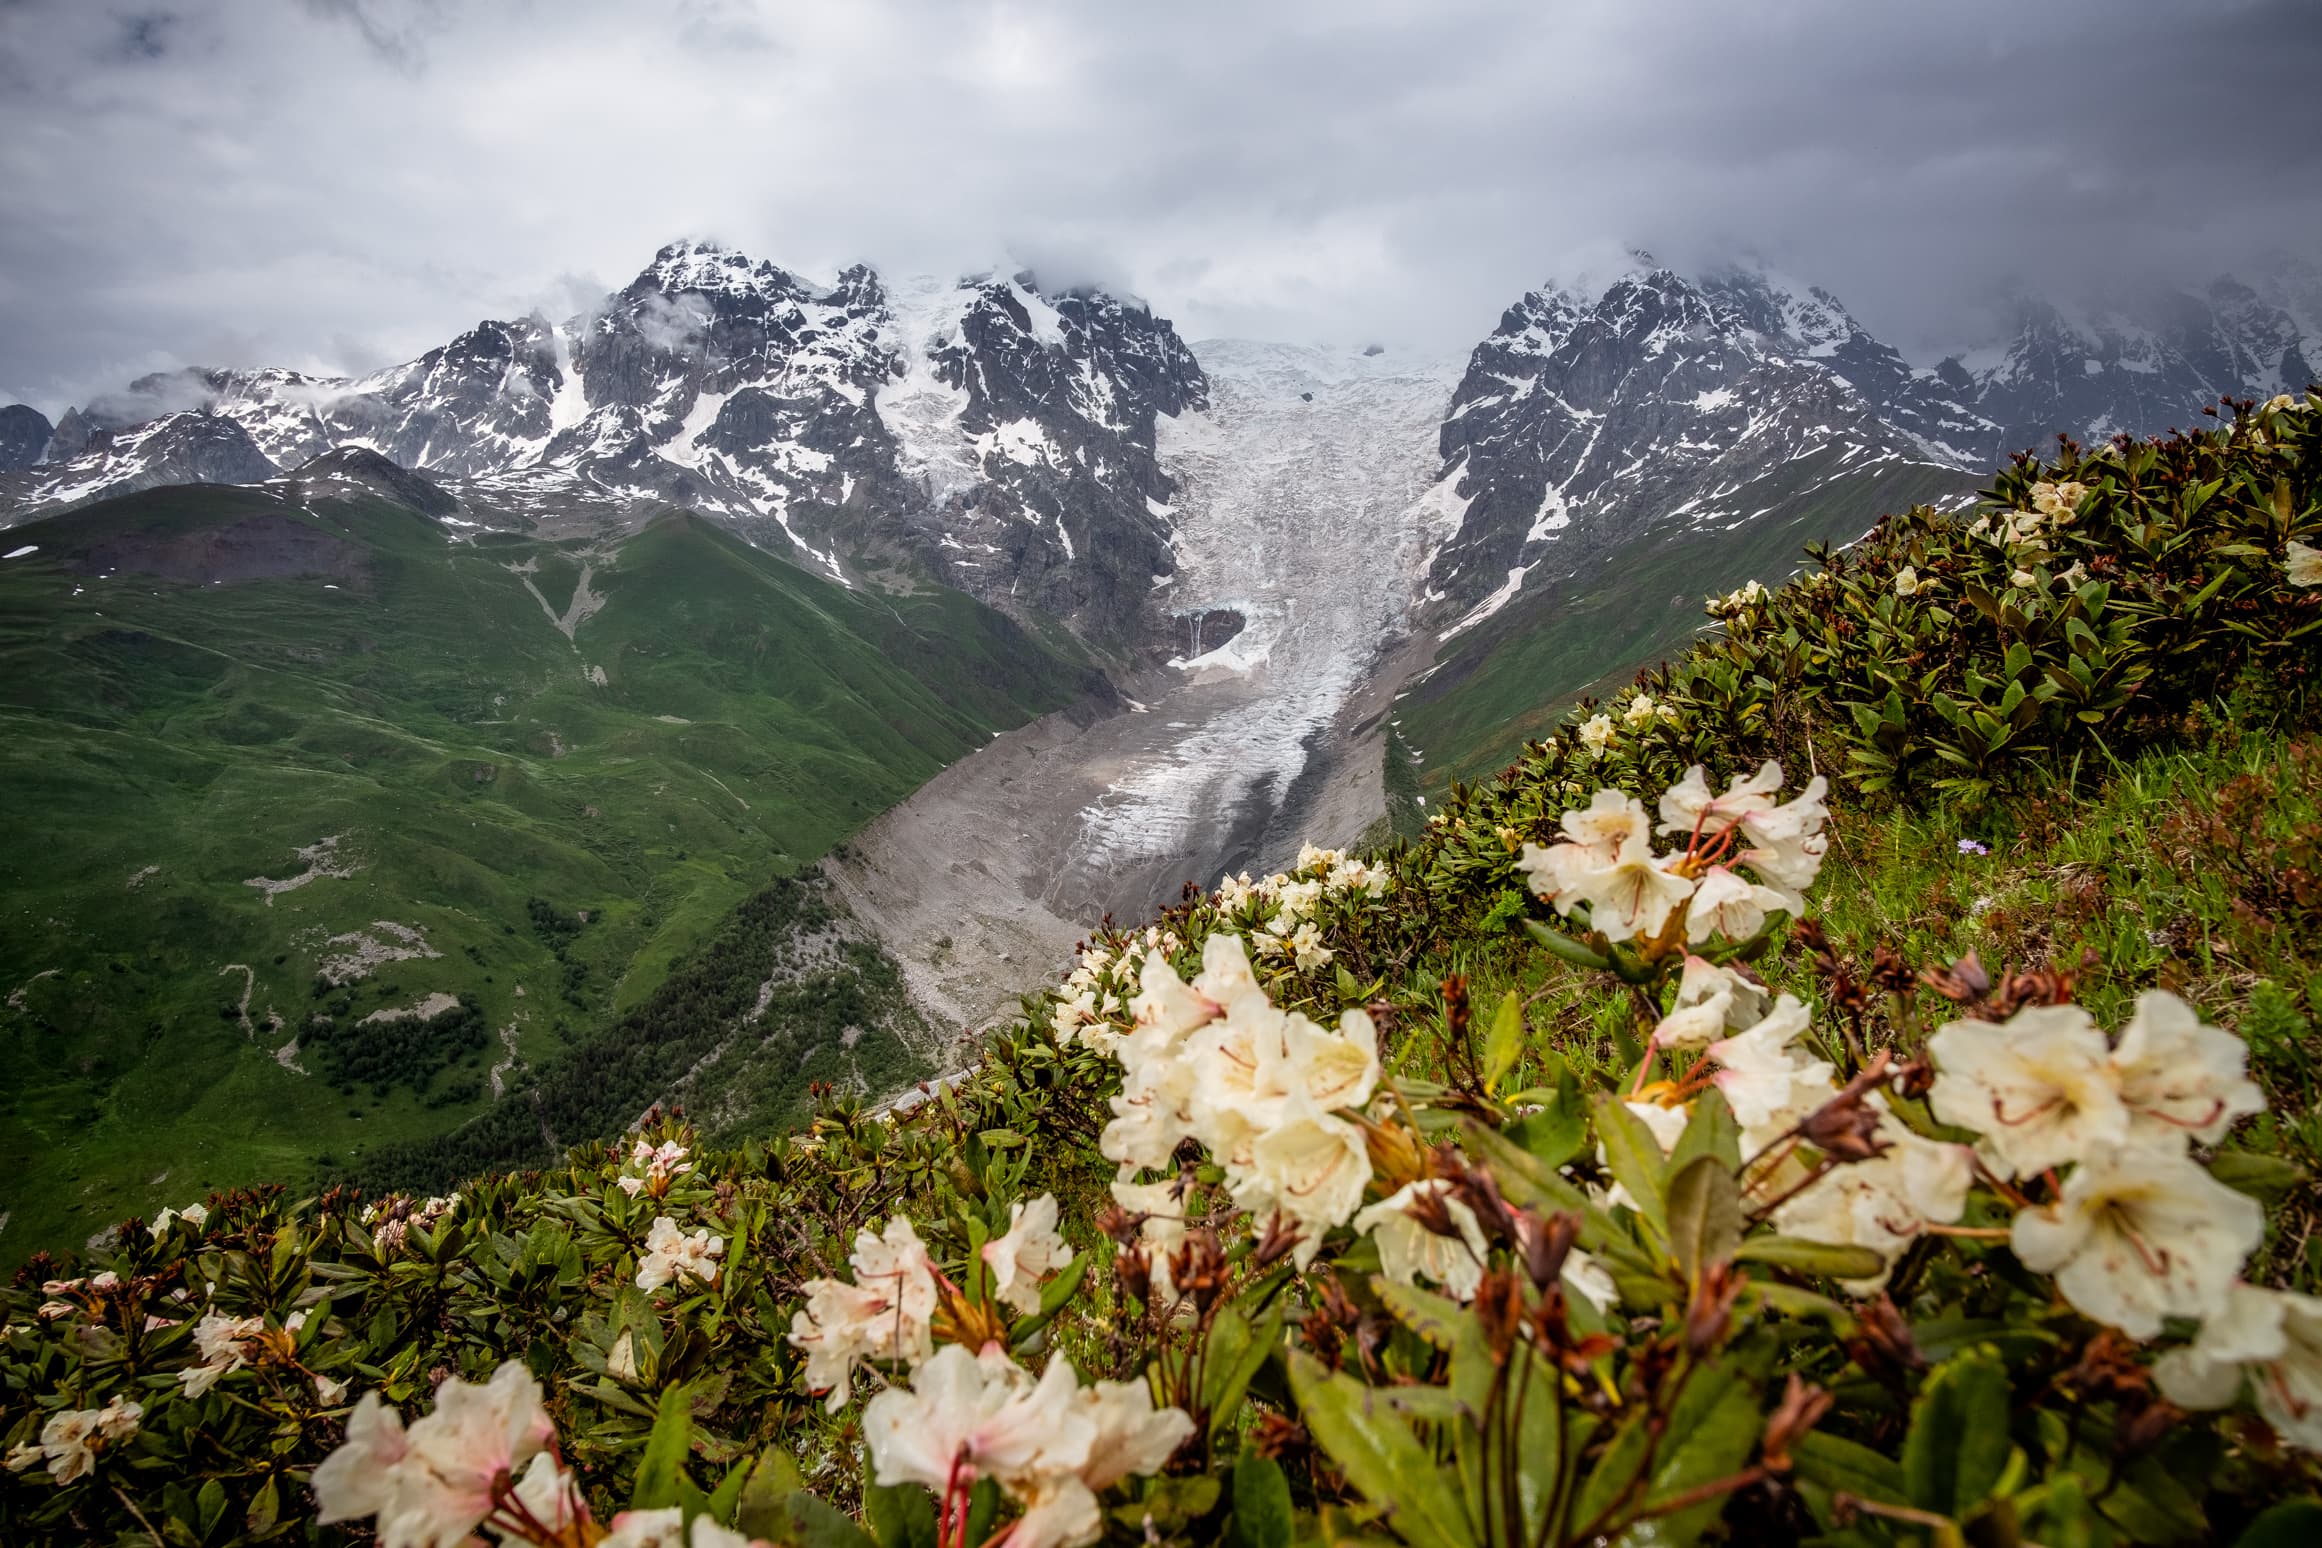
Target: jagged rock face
{"x":1580,"y":426}
{"x":24,"y":433}
{"x":1055,"y":400}
{"x":1000,"y":438}
{"x":1811,"y":324}
{"x":184,"y":448}
{"x":2113,"y":371}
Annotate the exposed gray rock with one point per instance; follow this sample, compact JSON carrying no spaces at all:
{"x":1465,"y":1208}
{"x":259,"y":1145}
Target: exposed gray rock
{"x":24,"y":433}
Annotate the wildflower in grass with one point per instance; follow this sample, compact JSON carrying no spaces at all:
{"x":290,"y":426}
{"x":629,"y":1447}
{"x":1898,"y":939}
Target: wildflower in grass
{"x":2303,"y":566}
{"x":2140,"y":1234}
{"x":1596,"y":733}
{"x":1408,"y":1249}
{"x":671,"y":1254}
{"x":1973,"y":847}
{"x":2181,"y":1079}
{"x":2041,"y":1090}
{"x":1027,"y":1253}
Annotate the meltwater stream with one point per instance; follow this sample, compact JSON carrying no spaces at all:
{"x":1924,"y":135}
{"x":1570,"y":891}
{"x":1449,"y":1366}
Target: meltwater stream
{"x":1298,"y":508}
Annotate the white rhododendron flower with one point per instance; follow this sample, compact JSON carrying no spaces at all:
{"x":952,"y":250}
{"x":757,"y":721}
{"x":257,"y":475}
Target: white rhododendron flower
{"x":1163,"y":1227}
{"x":226,"y":1346}
{"x":1312,"y":1169}
{"x":883,"y":1315}
{"x":2179,"y":1076}
{"x":2211,"y":1371}
{"x":1908,"y":584}
{"x":1883,"y":1203}
{"x":1409,"y":1251}
{"x":2041,"y":1090}
{"x":1632,"y":897}
{"x":2303,"y":565}
{"x":2139,"y":1234}
{"x":1029,"y":1252}
{"x":1596,"y":733}
{"x":672,"y":1254}
{"x":1725,"y":903}
{"x":431,"y":1485}
{"x":1050,"y":1445}
{"x":71,"y":1440}
{"x":2058,"y":500}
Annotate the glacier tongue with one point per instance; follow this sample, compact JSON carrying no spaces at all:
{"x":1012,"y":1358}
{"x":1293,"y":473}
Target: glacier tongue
{"x":1293,"y":510}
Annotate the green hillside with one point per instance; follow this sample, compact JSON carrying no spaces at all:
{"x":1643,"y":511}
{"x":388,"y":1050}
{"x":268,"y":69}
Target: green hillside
{"x":500,"y":785}
{"x":1512,"y":676}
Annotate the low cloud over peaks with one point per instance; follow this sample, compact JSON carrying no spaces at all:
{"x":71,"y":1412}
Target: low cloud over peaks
{"x":341,"y":182}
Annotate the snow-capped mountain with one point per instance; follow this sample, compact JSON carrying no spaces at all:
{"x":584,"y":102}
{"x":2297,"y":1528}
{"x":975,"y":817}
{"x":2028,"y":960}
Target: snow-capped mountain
{"x":992,"y":434}
{"x":1586,"y":423}
{"x":24,"y":433}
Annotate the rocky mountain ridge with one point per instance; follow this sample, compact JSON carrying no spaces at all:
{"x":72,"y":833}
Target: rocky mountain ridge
{"x":1658,"y":404}
{"x":988,"y":434}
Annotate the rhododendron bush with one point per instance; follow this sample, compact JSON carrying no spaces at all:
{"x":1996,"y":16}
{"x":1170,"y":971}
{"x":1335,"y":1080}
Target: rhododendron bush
{"x":1269,"y":1225}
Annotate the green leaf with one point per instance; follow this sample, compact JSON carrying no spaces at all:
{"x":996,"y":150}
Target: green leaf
{"x":1556,"y":1133}
{"x":1262,"y":1513}
{"x":900,"y":1515}
{"x":1565,"y":946}
{"x":1348,"y":989}
{"x":1810,"y":1257}
{"x":1505,"y":1045}
{"x":802,"y":1521}
{"x":1054,"y":1297}
{"x":1634,"y":1156}
{"x":266,"y":1509}
{"x":2265,"y":1178}
{"x":1705,"y":1216}
{"x":1958,"y":1445}
{"x":1712,"y":1131}
{"x":662,"y":1466}
{"x":1838,"y":1464}
{"x":1237,"y":1349}
{"x":211,"y":1503}
{"x":1381,"y":1458}
{"x":2291,"y":1524}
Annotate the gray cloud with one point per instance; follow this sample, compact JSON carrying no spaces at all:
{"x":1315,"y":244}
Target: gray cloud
{"x":333,"y":183}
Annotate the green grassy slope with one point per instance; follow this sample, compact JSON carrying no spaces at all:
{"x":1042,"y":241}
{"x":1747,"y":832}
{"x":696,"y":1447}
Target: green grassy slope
{"x":545,"y":823}
{"x":1512,"y":676}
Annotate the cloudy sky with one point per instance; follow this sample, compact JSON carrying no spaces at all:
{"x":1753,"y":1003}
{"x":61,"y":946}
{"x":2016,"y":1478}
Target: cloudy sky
{"x":338,"y":184}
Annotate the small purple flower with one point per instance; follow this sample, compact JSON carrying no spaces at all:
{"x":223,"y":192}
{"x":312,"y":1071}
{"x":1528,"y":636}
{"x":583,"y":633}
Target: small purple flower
{"x":1973,"y":847}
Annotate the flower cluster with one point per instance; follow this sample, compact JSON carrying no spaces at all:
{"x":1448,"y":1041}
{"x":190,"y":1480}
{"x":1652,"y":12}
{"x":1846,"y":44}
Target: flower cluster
{"x":1606,"y":859}
{"x":1052,"y":1445}
{"x":71,"y":1440}
{"x":227,"y":1344}
{"x":486,"y":1457}
{"x":657,"y":1166}
{"x":194,"y":1215}
{"x":1262,"y":1088}
{"x":671,"y":1253}
{"x":2139,"y":1231}
{"x":1735,"y":603}
{"x":2024,"y":534}
{"x":885,"y":1315}
{"x":391,"y":1219}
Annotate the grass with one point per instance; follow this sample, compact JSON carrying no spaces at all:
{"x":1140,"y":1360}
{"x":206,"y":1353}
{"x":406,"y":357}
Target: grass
{"x":1512,"y":677}
{"x":723,"y":719}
